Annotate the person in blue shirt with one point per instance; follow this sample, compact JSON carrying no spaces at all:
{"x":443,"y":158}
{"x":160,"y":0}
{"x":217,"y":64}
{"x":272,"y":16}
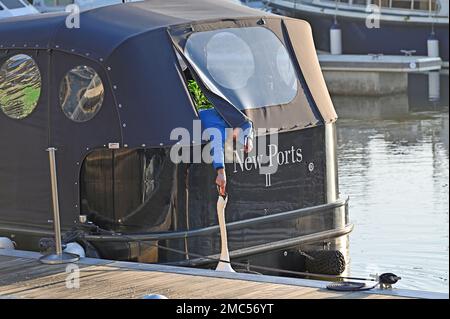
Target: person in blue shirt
{"x":210,"y":118}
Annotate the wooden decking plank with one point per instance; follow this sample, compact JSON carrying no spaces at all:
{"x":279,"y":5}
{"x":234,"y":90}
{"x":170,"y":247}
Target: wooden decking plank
{"x":154,"y":284}
{"x":139,"y":286}
{"x":218,"y":290}
{"x":113,"y":283}
{"x":124,"y":284}
{"x":237,"y":289}
{"x":12,"y":265}
{"x":27,"y":273}
{"x":325,"y":294}
{"x":38,"y":276}
{"x":59,"y":285}
{"x":195,"y":285}
{"x":28,"y":278}
{"x":215,"y":286}
{"x":270,"y":292}
{"x":361,"y":295}
{"x":28,"y":286}
{"x":171,"y":288}
{"x":107,"y":286}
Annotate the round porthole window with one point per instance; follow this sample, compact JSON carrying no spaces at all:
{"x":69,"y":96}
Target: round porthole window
{"x":20,"y":86}
{"x":81,"y":94}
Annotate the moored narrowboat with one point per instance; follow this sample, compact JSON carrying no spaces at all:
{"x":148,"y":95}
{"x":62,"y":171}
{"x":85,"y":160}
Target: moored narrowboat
{"x":109,"y":96}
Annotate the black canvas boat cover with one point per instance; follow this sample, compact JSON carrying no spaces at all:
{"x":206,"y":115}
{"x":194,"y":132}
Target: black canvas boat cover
{"x":134,"y":44}
{"x":113,"y":25}
{"x":132,"y":48}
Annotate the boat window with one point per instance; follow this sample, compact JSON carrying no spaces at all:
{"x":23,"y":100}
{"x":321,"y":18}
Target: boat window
{"x":401,"y":4}
{"x":132,"y":186}
{"x":81,"y":94}
{"x":249,"y":67}
{"x":20,"y":86}
{"x":13,"y":4}
{"x":360,"y":2}
{"x":422,"y":5}
{"x":58,"y":2}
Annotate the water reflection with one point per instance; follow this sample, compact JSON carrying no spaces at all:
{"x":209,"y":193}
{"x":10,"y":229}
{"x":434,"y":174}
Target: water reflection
{"x":371,"y":107}
{"x":428,"y":92}
{"x":394,"y":164}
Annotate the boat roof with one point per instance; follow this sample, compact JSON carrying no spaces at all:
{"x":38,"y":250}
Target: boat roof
{"x":114,"y":24}
{"x":133,"y":46}
{"x":146,"y":103}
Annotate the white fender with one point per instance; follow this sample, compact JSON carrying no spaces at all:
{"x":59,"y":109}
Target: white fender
{"x":335,"y":39}
{"x":224,"y":254}
{"x":433,"y":46}
{"x":75,"y":248}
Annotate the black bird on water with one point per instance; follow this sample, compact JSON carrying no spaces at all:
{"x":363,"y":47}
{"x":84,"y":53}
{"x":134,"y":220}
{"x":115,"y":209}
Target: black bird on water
{"x":387,"y":280}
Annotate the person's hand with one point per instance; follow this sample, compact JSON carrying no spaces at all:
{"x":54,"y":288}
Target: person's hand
{"x":221,"y":181}
{"x":248,"y":147}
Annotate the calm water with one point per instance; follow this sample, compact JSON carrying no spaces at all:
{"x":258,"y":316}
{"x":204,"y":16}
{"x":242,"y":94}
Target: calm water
{"x":394,"y":165}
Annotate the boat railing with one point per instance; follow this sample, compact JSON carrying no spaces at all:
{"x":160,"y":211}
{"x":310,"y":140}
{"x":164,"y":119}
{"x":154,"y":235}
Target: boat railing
{"x":422,"y":5}
{"x":431,"y":6}
{"x":13,"y":8}
{"x":61,"y":5}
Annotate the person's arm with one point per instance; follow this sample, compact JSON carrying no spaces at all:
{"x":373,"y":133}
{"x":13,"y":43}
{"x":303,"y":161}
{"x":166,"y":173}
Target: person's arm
{"x":218,"y":161}
{"x":212,"y":119}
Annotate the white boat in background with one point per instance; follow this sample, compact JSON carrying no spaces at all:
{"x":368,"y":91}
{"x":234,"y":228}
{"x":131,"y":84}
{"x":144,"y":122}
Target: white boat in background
{"x":60,"y":5}
{"x":257,"y":4}
{"x":14,"y":8}
{"x":404,"y":25}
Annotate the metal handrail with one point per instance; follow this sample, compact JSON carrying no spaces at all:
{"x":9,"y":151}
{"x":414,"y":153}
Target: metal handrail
{"x":119,"y":237}
{"x":431,"y":5}
{"x":278,"y":245}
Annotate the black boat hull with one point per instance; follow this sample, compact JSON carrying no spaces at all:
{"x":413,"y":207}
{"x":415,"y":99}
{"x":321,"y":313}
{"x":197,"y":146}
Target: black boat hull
{"x":143,"y":207}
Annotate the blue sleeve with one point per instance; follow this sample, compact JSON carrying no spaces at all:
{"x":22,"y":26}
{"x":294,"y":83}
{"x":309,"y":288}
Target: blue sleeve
{"x":211,"y":119}
{"x":218,"y":152}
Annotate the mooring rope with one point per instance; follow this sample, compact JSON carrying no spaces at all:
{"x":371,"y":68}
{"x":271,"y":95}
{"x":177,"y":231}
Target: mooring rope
{"x":248,"y":267}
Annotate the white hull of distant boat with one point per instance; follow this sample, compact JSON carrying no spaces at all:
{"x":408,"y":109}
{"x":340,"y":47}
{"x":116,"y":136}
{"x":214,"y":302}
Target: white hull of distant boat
{"x":15,"y":8}
{"x":61,"y":5}
{"x":404,"y":25}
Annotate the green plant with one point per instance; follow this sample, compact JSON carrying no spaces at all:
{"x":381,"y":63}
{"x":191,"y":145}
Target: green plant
{"x":200,"y":100}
